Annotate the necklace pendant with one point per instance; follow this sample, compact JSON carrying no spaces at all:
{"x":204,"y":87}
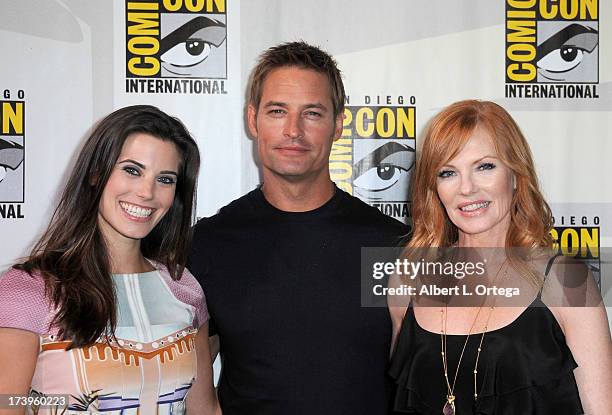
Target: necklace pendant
{"x":449,"y":408}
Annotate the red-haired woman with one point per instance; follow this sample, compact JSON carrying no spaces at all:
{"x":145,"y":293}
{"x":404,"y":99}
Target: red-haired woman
{"x":475,"y":190}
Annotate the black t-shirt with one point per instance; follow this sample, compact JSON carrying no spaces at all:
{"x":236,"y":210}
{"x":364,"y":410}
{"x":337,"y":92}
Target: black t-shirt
{"x":283,"y":292}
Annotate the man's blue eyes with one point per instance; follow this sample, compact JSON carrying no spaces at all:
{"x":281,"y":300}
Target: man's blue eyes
{"x":308,"y":113}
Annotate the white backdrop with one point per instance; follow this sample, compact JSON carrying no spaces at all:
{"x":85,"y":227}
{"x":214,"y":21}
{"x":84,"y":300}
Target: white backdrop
{"x":66,"y":61}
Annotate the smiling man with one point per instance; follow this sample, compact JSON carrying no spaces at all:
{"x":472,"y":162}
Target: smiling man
{"x":281,"y":265}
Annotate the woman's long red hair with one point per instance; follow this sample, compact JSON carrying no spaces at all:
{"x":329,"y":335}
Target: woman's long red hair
{"x":531,"y":217}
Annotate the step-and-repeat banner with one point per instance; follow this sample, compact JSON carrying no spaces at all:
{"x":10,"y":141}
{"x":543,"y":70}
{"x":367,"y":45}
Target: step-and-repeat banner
{"x":67,"y":63}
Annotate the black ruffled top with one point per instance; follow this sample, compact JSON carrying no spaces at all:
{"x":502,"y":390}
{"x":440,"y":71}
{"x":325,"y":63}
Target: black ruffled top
{"x":524,"y":368}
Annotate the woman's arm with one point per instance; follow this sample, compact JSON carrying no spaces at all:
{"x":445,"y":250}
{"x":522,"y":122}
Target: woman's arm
{"x":18,"y":356}
{"x":202,"y":398}
{"x":588,"y":336}
{"x":397,"y":317}
{"x":573,"y":296}
{"x":397,"y":310}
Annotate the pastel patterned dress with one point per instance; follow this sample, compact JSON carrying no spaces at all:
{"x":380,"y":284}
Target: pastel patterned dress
{"x":148,"y":370}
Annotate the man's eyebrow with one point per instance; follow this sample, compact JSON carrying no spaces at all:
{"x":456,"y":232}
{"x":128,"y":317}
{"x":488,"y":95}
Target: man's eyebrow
{"x":276,"y":104}
{"x":185,"y":31}
{"x":316,"y":105}
{"x":558,"y":39}
{"x":142,"y":166}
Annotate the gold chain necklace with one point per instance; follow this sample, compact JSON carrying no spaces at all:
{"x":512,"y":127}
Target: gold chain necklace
{"x":449,"y":405}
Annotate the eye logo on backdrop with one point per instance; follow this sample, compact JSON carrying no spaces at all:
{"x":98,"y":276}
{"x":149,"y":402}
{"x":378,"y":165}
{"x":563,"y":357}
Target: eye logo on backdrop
{"x":374,"y":157}
{"x":176,"y":46}
{"x":552,"y":48}
{"x":12,"y":155}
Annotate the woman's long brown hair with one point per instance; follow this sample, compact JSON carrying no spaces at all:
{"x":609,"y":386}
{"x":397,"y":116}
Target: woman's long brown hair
{"x":72,"y":257}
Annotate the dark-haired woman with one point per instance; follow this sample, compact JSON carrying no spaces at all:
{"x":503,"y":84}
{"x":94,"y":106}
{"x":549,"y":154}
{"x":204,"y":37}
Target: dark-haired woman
{"x":103,"y":310}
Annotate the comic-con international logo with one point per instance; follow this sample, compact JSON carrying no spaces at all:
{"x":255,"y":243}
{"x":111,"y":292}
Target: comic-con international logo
{"x":12,"y":154}
{"x":374,"y":157}
{"x":579,"y":237}
{"x":552,"y":48}
{"x":176,"y":46}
